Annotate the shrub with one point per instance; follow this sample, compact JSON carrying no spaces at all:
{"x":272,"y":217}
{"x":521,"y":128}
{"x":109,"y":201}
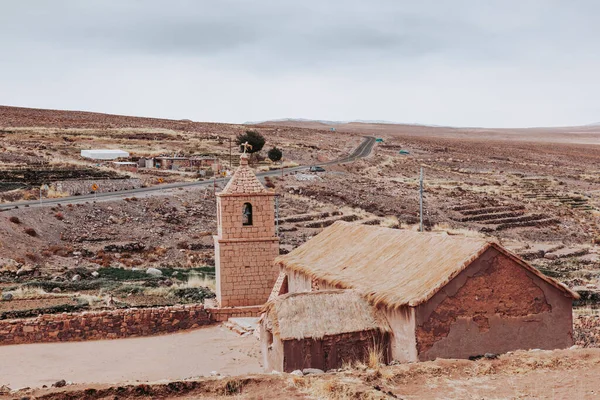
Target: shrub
{"x":33,"y":257}
{"x":31,"y":232}
{"x":275,"y":154}
{"x":255,"y":139}
{"x":14,"y":220}
{"x":183,"y":245}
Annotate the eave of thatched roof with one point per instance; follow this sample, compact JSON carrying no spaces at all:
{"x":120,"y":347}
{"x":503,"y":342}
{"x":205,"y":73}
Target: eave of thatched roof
{"x":322,"y":313}
{"x":392,"y":268}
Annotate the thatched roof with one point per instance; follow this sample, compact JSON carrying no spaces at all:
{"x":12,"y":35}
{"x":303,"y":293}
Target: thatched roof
{"x":243,"y":181}
{"x":322,"y":313}
{"x":391,"y":267}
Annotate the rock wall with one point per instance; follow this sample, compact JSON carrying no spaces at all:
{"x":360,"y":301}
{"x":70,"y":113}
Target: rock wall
{"x":103,"y":324}
{"x":586,"y":330}
{"x":80,"y":187}
{"x":223,"y":314}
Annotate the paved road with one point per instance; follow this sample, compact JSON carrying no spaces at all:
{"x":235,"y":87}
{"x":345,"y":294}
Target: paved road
{"x":175,"y":356}
{"x":363,"y":150}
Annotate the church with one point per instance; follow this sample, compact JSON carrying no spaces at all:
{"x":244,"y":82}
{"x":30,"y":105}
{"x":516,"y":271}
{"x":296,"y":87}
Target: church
{"x":353,"y":289}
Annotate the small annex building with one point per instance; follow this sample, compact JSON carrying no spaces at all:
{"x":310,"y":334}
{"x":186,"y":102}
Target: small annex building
{"x":322,"y":329}
{"x":443,"y":296}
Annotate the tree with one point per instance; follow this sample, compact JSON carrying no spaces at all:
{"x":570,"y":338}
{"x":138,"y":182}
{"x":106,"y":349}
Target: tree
{"x":255,"y":139}
{"x":275,"y":154}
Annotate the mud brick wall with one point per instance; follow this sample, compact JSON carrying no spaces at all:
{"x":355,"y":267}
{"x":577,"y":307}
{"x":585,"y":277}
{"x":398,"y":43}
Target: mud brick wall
{"x":586,"y":330}
{"x":493,"y":306}
{"x":102,"y":324}
{"x":104,"y":185}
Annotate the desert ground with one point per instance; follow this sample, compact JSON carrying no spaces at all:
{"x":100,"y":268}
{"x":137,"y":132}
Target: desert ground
{"x":533,"y":190}
{"x":520,"y":375}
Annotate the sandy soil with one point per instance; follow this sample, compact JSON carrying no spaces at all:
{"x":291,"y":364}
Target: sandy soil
{"x":168,"y":357}
{"x":556,"y":374}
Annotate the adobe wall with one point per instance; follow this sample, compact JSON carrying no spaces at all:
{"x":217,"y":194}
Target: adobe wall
{"x":103,"y":324}
{"x":493,"y":306}
{"x":271,"y":349}
{"x":298,"y":282}
{"x":404,"y":341}
{"x":332,"y":352}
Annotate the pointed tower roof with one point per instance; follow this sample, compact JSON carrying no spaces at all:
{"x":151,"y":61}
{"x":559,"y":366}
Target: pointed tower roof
{"x":244,"y":181}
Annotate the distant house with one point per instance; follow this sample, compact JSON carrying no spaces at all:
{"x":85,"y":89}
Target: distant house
{"x":322,"y":329}
{"x":125,"y":165}
{"x":177,"y":163}
{"x":104,"y":154}
{"x":442,"y":295}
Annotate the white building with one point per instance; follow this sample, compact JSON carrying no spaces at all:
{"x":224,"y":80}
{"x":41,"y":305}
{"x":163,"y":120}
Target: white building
{"x":104,"y":154}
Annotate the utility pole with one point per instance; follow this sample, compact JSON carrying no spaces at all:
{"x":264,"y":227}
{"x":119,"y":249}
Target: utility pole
{"x":421,"y":201}
{"x":230,"y":164}
{"x":277,"y":215}
{"x":282,"y":164}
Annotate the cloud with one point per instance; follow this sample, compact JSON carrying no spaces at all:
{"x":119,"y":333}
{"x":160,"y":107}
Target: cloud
{"x":461,"y":62}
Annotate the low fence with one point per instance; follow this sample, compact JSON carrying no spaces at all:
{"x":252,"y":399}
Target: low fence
{"x":113,"y":324}
{"x":95,"y":325}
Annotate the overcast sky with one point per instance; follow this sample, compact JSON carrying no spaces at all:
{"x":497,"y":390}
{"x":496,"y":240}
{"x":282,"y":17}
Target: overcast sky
{"x":492,"y":63}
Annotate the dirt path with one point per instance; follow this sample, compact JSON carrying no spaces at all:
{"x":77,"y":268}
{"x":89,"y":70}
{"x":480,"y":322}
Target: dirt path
{"x":176,"y":356}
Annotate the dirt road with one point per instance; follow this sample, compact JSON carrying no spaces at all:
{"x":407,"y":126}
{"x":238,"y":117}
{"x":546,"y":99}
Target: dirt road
{"x":176,"y":356}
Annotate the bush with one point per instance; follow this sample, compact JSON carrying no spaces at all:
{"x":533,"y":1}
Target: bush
{"x":33,"y":257}
{"x":275,"y":154}
{"x":14,"y":220}
{"x":194,"y":295}
{"x":255,"y":139}
{"x":31,"y":232}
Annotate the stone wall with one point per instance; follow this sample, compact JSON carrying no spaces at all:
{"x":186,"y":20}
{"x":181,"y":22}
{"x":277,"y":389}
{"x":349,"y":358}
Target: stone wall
{"x":103,"y":324}
{"x":223,"y":314}
{"x":586,"y":330}
{"x":81,"y":187}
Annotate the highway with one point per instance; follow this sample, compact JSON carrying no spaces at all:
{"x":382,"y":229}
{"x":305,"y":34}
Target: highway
{"x":363,"y":150}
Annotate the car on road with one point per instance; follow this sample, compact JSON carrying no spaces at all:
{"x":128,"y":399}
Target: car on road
{"x":316,"y":168}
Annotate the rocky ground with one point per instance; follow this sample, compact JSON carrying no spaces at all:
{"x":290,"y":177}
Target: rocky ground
{"x":41,"y":146}
{"x":537,"y":196}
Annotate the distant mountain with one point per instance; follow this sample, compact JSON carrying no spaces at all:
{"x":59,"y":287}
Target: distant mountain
{"x":329,"y":122}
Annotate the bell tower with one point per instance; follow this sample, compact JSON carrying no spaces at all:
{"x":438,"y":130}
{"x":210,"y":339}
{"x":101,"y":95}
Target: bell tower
{"x":246,"y":244}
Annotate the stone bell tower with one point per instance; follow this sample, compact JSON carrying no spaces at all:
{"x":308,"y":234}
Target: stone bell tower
{"x":246,"y":244}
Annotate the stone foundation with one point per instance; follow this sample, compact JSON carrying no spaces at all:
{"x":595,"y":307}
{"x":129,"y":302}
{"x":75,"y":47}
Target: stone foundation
{"x":223,"y":314}
{"x":103,"y":324}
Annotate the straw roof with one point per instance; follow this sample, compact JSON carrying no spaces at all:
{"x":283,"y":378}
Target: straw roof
{"x":391,"y":267}
{"x":243,"y":181}
{"x":322,"y":313}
